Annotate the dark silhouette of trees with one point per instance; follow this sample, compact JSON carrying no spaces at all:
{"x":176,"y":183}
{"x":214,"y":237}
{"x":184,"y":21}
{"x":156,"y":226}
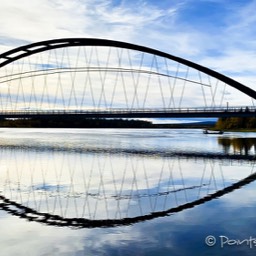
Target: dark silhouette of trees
{"x":233,"y":123}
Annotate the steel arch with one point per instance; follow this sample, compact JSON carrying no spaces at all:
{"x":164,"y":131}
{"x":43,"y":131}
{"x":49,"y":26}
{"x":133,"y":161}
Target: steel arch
{"x":30,"y":49}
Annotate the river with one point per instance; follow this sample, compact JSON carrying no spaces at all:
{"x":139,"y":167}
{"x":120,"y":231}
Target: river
{"x":126,"y":192}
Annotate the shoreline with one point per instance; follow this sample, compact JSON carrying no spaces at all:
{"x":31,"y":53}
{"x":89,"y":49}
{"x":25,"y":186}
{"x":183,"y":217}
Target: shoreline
{"x":99,"y":123}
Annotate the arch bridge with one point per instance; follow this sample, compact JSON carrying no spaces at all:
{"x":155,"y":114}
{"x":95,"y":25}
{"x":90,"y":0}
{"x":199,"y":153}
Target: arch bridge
{"x":104,"y":78}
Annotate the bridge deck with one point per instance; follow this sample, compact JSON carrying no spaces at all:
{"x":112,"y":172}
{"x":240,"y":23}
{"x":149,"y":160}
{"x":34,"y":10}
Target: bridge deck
{"x":135,"y":113}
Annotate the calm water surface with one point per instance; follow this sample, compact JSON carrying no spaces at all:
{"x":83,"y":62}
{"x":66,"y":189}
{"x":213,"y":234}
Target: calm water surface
{"x":126,"y":192}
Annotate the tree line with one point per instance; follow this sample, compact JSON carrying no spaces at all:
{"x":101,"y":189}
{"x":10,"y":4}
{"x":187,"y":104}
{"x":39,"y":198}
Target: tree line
{"x":234,"y":123}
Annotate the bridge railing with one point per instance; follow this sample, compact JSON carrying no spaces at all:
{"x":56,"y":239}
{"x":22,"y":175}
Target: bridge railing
{"x":32,"y":112}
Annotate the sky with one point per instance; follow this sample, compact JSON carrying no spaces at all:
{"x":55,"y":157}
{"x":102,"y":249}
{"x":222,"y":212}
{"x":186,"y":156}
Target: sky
{"x":219,"y":34}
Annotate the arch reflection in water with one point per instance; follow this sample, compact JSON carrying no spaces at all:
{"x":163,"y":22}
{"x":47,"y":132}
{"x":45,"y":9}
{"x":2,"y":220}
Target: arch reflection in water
{"x":94,"y":188}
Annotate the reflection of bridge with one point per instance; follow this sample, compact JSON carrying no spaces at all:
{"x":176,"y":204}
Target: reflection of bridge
{"x":19,"y":210}
{"x":54,"y":186}
{"x":104,"y":78}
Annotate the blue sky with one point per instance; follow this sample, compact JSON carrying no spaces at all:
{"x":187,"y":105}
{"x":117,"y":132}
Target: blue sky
{"x":219,"y":34}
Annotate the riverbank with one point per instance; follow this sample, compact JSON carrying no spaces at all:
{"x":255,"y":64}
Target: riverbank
{"x":236,"y":124}
{"x":74,"y":122}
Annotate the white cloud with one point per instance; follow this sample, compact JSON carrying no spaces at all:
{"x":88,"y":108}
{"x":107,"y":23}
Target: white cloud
{"x":141,"y":22}
{"x":43,"y":19}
